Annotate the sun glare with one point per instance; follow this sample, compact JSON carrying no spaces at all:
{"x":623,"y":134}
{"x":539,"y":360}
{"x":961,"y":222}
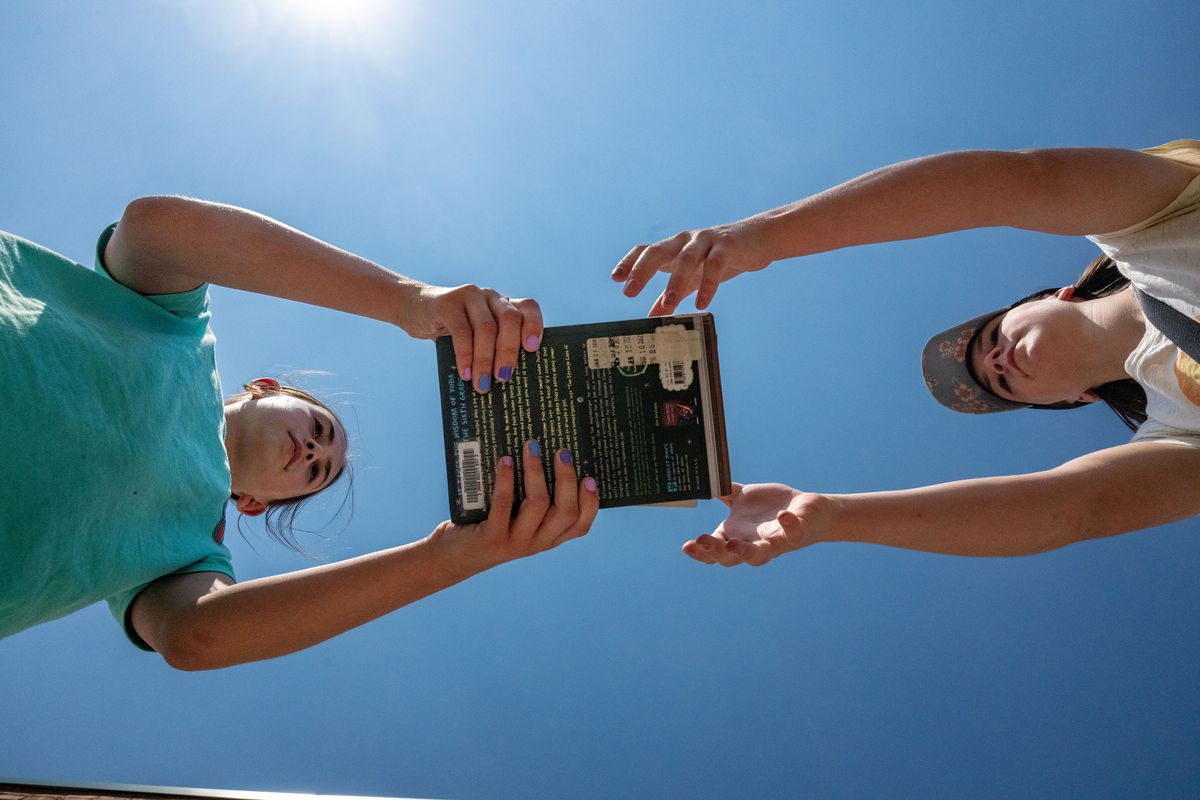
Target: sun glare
{"x":335,"y":19}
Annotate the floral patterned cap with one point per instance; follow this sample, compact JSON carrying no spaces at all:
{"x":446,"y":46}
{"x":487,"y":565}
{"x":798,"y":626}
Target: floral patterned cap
{"x":948,"y":374}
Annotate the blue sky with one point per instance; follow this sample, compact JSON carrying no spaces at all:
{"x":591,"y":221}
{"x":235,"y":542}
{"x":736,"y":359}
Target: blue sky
{"x":527,"y":147}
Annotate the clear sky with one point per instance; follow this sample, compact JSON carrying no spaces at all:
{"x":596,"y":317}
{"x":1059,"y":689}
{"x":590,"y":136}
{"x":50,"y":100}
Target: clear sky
{"x":527,"y":146}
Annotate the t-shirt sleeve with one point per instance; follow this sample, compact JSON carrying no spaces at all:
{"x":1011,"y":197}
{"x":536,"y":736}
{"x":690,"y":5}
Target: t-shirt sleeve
{"x":1155,"y":431}
{"x":121,"y":604}
{"x":193,"y":303}
{"x":1186,"y":151}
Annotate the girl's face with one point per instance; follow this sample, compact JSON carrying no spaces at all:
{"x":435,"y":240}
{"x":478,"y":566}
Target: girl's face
{"x":1031,"y":353}
{"x":281,"y":447}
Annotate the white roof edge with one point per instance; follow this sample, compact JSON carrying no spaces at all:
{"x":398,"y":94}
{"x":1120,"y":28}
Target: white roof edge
{"x":225,"y":794}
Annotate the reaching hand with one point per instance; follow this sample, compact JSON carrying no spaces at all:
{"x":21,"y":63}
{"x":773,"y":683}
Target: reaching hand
{"x":698,"y":262}
{"x":540,"y":524}
{"x":765,"y":520}
{"x":488,"y":328}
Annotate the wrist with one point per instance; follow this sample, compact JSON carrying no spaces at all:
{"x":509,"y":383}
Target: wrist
{"x":460,"y":549}
{"x":406,"y":297}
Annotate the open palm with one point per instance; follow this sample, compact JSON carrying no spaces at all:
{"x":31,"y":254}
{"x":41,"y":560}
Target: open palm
{"x":765,"y":520}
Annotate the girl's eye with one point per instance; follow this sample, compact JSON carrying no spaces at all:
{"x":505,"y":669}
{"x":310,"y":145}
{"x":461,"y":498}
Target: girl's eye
{"x":318,"y":427}
{"x":995,"y":334}
{"x":1004,"y":384}
{"x":312,"y":473}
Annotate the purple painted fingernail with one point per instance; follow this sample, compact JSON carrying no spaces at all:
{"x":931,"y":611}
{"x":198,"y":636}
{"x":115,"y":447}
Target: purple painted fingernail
{"x":630,"y":286}
{"x":565,"y":456}
{"x":531,"y":343}
{"x":589,"y":484}
{"x":671,"y":299}
{"x":507,"y":461}
{"x":504,"y":373}
{"x":467,"y":374}
{"x":618,"y":273}
{"x":535,"y":449}
{"x":485,"y":382}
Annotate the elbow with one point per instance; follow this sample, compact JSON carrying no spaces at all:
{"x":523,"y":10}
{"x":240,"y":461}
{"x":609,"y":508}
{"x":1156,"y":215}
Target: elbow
{"x":152,"y":213}
{"x":190,"y":649}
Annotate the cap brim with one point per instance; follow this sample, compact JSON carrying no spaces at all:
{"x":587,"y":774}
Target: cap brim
{"x":944,"y":363}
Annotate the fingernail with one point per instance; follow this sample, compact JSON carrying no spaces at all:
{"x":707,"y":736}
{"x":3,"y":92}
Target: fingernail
{"x":507,"y":461}
{"x":485,"y":383}
{"x":630,"y":286}
{"x":618,"y":273}
{"x":467,"y":374}
{"x":535,"y":449}
{"x":705,"y":546}
{"x":564,"y":456}
{"x":531,"y":343}
{"x":589,"y":484}
{"x":670,"y":300}
{"x":505,"y":373}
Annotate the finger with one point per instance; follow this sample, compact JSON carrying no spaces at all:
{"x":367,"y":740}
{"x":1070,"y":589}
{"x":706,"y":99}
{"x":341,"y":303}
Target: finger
{"x":502,"y":497}
{"x":565,"y":507}
{"x":483,"y":336}
{"x":753,"y":553}
{"x":537,"y":498}
{"x":659,"y":309}
{"x":684,"y":276}
{"x":508,"y":335}
{"x":705,"y":548}
{"x":456,"y":322}
{"x":589,"y":506}
{"x":712,"y":272}
{"x":733,"y":496}
{"x":693,"y":550}
{"x":651,"y":260}
{"x":733,"y":553}
{"x":621,"y":271}
{"x":792,"y":535}
{"x":531,"y":323}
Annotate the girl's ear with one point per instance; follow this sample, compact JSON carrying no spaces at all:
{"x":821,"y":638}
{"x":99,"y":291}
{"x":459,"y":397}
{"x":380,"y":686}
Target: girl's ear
{"x":248,"y":505}
{"x":270,"y":384}
{"x":1065,"y":293}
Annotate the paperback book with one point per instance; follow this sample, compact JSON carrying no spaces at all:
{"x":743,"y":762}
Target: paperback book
{"x":637,"y":402}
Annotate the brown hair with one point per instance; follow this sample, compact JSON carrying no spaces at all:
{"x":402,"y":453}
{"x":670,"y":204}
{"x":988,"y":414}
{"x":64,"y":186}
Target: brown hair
{"x":280,"y":516}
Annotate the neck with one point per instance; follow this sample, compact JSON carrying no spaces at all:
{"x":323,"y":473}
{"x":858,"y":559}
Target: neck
{"x":1112,"y":326}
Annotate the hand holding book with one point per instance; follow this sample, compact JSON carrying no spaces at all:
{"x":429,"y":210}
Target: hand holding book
{"x":542,"y":522}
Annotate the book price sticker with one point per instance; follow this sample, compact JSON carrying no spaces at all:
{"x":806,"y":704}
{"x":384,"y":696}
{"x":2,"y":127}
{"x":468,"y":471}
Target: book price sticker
{"x":673,"y":347}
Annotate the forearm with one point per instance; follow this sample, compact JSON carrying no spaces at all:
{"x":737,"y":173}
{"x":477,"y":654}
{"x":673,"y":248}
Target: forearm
{"x":1064,"y":191}
{"x":281,"y":614}
{"x":166,"y":240}
{"x":1005,"y":516}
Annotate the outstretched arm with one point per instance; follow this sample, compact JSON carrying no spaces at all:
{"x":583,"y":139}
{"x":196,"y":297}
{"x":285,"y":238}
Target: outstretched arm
{"x":205,"y":621}
{"x":172,"y":244}
{"x":1120,"y":489}
{"x":1064,"y":191}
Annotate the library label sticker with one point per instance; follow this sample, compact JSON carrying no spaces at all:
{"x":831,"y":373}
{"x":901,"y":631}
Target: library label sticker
{"x":673,"y":347}
{"x":470,"y":475}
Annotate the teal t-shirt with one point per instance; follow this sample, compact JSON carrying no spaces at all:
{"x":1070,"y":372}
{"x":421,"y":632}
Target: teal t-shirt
{"x":115,"y":472}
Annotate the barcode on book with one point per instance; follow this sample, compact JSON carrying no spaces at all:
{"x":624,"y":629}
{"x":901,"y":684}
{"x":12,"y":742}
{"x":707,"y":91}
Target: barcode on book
{"x":470,"y":475}
{"x":676,"y":375}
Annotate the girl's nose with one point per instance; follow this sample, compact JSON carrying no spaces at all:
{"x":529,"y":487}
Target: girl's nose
{"x":312,"y":449}
{"x":993,"y":360}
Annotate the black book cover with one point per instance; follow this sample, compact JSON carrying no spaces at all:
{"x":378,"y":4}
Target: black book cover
{"x":637,"y":402}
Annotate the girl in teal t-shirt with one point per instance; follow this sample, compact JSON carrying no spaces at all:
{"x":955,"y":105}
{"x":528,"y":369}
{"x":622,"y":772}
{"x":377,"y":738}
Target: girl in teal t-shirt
{"x":123,"y":456}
